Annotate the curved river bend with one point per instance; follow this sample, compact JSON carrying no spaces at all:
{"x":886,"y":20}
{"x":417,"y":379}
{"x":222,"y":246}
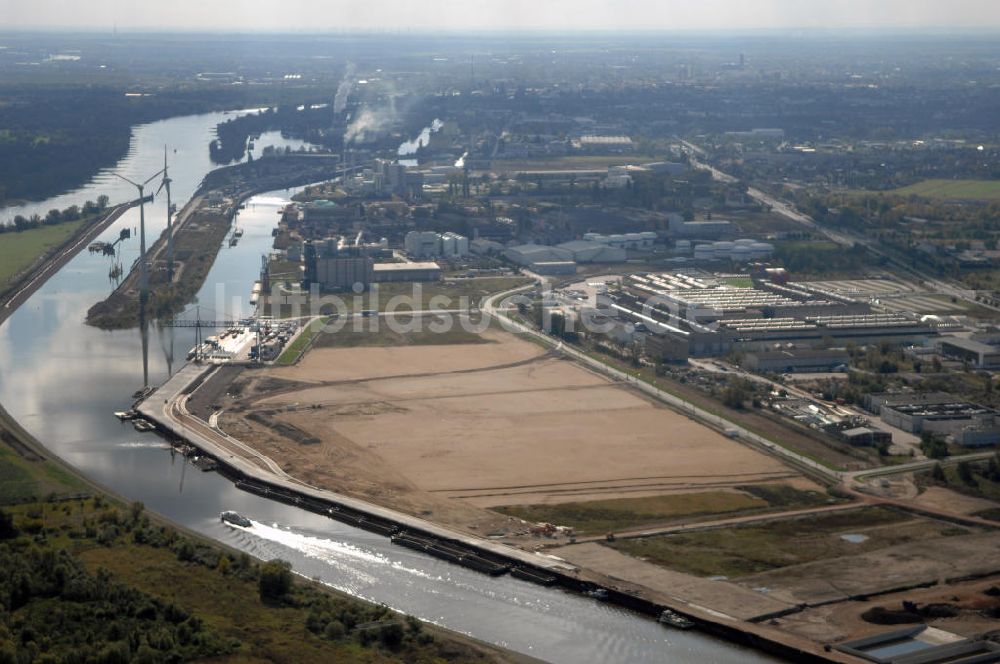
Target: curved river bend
{"x":63,"y":380}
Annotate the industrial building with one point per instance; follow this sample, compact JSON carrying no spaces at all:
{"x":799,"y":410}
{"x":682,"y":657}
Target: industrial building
{"x":578,"y":251}
{"x":922,"y":645}
{"x":702,"y":230}
{"x":708,"y":317}
{"x":605,"y":144}
{"x":966,"y":423}
{"x":976,"y":353}
{"x":866,"y":437}
{"x":428,"y":244}
{"x":553,"y":268}
{"x":336,"y":267}
{"x":390,"y":272}
{"x":791,"y":361}
{"x":642,"y":240}
{"x":739,"y":251}
{"x":386,"y":178}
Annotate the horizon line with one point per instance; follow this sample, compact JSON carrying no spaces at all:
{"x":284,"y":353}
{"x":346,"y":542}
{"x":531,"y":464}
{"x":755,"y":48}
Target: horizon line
{"x":845,"y":30}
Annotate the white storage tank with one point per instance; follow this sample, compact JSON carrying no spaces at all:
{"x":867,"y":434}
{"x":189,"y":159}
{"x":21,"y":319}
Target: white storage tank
{"x":744,"y":242}
{"x":741,"y":253}
{"x":683,"y":246}
{"x":704,"y":251}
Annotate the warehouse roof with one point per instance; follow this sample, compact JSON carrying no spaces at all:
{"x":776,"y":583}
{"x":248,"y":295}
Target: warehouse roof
{"x":395,"y":267}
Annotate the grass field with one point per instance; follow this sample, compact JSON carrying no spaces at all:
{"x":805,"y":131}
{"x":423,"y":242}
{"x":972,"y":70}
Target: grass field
{"x":358,"y":332}
{"x":19,"y":250}
{"x":743,"y":550}
{"x":349,"y":337}
{"x":23,"y":480}
{"x":985,"y":190}
{"x":602,"y":516}
{"x":291,"y":352}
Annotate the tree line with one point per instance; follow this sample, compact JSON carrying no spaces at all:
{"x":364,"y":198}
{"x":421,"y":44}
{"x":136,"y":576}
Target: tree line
{"x":55,"y":217}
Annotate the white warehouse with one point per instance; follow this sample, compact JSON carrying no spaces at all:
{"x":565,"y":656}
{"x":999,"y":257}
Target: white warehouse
{"x":426,"y":244}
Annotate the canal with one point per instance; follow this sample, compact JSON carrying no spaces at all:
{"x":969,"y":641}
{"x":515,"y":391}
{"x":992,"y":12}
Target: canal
{"x":63,"y":380}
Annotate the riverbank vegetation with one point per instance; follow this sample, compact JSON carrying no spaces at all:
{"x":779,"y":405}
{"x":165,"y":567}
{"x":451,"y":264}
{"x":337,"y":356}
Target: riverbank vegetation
{"x":84,"y":577}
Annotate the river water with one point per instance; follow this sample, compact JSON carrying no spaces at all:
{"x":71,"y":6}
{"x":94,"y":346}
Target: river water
{"x":63,"y":380}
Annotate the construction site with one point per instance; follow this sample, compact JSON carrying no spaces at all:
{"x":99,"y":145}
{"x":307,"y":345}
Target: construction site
{"x":494,"y":437}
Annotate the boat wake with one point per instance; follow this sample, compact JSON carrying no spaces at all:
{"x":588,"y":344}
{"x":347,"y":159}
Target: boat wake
{"x":341,"y":555}
{"x":139,"y":445}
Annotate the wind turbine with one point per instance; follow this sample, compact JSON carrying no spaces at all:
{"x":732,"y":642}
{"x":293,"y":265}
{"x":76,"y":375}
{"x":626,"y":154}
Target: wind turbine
{"x":170,"y":230}
{"x":143,"y":267}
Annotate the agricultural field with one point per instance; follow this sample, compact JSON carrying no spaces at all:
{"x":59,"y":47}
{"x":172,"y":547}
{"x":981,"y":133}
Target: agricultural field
{"x":981,"y":190}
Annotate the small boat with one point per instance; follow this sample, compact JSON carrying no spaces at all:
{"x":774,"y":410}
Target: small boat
{"x":143,"y":393}
{"x":597,"y":593}
{"x":204,"y":463}
{"x":674,"y":619}
{"x":235,"y":518}
{"x":233,"y":240}
{"x":142,"y":425}
{"x":238,"y":232}
{"x":126,"y":415}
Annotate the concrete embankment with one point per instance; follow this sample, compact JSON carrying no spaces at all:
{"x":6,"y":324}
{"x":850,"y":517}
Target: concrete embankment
{"x":258,"y":474}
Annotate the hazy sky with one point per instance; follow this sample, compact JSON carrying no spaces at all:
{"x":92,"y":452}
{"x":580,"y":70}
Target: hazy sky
{"x":318,"y":15}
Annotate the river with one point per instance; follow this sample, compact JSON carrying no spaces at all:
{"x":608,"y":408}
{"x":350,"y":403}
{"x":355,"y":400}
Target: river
{"x":63,"y":380}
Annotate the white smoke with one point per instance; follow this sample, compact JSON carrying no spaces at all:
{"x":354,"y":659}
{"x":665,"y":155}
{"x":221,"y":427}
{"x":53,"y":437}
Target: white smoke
{"x":371,"y":120}
{"x":344,"y":89}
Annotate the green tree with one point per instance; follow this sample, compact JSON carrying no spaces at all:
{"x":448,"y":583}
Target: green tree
{"x":965,"y":473}
{"x":937,"y":473}
{"x":933,"y":446}
{"x":275,"y":579}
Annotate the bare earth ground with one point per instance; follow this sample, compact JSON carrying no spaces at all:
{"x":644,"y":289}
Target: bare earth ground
{"x":839,"y":622}
{"x":722,"y":597}
{"x":938,"y":497}
{"x":447,"y":430}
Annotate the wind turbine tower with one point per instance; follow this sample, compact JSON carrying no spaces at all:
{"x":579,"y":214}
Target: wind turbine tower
{"x":170,"y":211}
{"x":143,"y":265}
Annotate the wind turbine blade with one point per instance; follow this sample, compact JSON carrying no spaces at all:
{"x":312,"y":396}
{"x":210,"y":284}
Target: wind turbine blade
{"x":160,"y":188}
{"x":134,"y":184}
{"x":150,"y":178}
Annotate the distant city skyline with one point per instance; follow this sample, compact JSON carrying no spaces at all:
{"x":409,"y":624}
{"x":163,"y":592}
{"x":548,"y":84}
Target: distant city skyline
{"x":452,"y":15}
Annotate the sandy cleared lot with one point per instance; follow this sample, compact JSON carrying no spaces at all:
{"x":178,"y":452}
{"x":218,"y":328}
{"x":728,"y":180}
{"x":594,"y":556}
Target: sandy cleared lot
{"x":504,"y":423}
